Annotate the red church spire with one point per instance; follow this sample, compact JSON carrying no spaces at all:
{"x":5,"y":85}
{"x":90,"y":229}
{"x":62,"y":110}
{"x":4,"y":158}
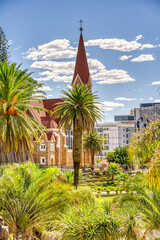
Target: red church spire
{"x":81,"y":67}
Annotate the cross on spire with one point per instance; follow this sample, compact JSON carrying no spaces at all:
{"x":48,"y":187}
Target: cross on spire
{"x":81,"y":29}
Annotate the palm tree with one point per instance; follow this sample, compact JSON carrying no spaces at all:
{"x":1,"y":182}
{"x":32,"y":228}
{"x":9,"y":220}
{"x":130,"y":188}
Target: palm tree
{"x":79,"y":109}
{"x":17,"y":90}
{"x":112,"y":170}
{"x":93,"y":143}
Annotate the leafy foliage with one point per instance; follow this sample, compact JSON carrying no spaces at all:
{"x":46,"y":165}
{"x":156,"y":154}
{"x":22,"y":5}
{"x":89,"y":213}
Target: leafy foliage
{"x":4,"y":55}
{"x":119,"y":155}
{"x":144,"y":144}
{"x":112,"y":170}
{"x":93,"y":143}
{"x":17,"y":90}
{"x":30,"y":199}
{"x":78,"y":109}
{"x":88,"y":222}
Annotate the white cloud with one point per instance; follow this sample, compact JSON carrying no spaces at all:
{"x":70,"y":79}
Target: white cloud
{"x":45,"y":88}
{"x":112,"y":76}
{"x":56,"y":49}
{"x":151,"y":98}
{"x":143,"y":58}
{"x":109,"y":106}
{"x":63,"y":72}
{"x":141,"y":99}
{"x":157,"y":100}
{"x":125,"y":99}
{"x":115,"y":44}
{"x":17,"y":48}
{"x":147,"y":46}
{"x":156,"y":83}
{"x":49,"y":95}
{"x":69,"y":86}
{"x":10,"y":42}
{"x":138,"y":37}
{"x":125,"y":57}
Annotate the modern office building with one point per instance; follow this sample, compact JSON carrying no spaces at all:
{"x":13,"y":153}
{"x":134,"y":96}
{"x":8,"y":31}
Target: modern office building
{"x":128,"y":118}
{"x":146,"y":113}
{"x":114,"y":134}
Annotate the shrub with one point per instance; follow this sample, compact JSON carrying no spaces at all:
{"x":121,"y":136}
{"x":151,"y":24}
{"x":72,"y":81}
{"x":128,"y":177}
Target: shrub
{"x":84,"y":195}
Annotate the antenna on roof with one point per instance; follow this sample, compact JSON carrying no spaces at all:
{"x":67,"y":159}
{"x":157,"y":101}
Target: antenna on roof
{"x":81,"y":29}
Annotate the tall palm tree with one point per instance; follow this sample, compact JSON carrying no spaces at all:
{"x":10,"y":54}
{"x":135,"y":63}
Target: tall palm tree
{"x":17,"y":90}
{"x":79,"y":109}
{"x":93,"y":143}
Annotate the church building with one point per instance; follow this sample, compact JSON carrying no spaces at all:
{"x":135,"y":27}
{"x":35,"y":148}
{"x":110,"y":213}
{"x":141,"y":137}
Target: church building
{"x":56,"y":147}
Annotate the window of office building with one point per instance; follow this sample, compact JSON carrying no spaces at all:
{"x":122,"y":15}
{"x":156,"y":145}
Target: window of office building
{"x":126,"y":135}
{"x":100,"y":130}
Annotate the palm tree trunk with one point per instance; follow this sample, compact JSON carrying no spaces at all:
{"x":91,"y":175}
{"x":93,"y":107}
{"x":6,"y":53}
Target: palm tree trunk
{"x":77,"y":148}
{"x":92,"y":159}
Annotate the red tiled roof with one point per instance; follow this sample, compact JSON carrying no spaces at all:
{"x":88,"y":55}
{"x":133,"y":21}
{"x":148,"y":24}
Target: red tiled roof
{"x":42,"y":116}
{"x":48,"y":122}
{"x":81,"y":67}
{"x":50,"y":104}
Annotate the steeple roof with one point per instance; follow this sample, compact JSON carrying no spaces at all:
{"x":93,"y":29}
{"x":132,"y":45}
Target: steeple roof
{"x":81,"y":66}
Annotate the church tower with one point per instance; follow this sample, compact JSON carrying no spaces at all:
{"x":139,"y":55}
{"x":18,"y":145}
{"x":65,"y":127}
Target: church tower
{"x":81,"y":71}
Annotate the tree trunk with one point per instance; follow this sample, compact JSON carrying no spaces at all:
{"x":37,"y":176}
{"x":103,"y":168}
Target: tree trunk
{"x":77,"y":148}
{"x":112,"y":179}
{"x":92,"y":159}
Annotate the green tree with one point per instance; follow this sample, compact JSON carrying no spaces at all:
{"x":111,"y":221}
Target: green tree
{"x":112,"y":170}
{"x":145,"y":143}
{"x":79,"y":109}
{"x":93,"y":143}
{"x":119,"y":155}
{"x":17,"y":90}
{"x":4,"y":55}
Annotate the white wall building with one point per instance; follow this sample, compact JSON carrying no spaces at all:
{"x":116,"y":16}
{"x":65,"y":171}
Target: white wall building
{"x":114,"y":134}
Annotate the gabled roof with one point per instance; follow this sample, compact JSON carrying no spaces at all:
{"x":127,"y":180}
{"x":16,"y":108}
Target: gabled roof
{"x":81,"y":66}
{"x":42,"y":116}
{"x":50,"y":104}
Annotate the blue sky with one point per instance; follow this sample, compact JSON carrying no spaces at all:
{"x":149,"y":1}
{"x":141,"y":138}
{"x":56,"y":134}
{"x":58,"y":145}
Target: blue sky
{"x":122,"y":39}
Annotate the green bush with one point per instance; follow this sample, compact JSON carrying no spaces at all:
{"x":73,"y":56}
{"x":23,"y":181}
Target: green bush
{"x":84,"y":195}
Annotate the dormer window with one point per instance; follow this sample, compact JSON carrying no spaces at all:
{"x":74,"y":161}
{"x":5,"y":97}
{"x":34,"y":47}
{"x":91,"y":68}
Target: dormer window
{"x":43,"y":147}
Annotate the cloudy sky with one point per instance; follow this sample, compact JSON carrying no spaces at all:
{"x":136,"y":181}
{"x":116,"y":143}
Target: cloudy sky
{"x":122,"y":40}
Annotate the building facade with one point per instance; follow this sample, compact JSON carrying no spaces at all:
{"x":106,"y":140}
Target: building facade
{"x":114,"y":134}
{"x":56,"y":145}
{"x":146,"y":113}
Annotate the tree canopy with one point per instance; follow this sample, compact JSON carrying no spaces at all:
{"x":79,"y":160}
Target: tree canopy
{"x":119,"y":155}
{"x":17,"y":90}
{"x":4,"y":54}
